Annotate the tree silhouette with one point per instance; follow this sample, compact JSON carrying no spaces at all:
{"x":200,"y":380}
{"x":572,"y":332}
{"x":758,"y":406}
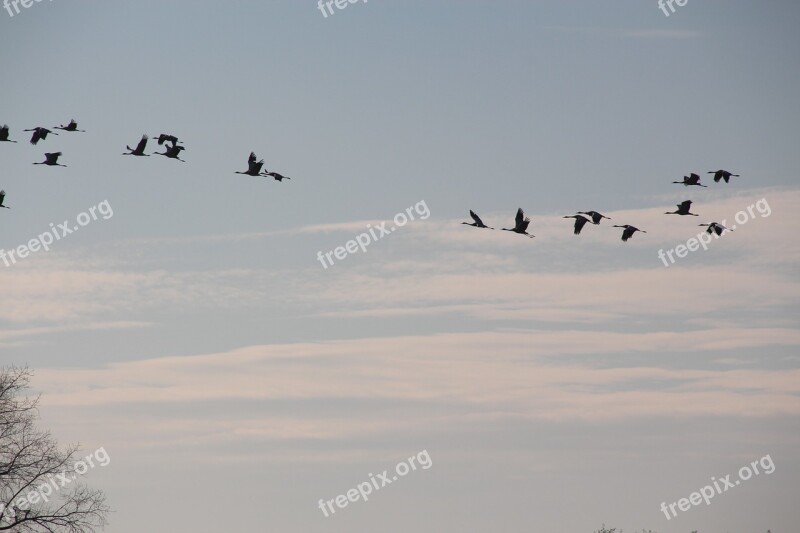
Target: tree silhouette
{"x":39,"y":491}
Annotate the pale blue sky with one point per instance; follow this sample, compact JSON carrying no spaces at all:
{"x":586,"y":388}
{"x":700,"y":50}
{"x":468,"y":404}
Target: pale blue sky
{"x":557,"y":383}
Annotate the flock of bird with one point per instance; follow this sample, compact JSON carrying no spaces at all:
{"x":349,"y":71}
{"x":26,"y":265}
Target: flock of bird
{"x":255,"y":168}
{"x":172,"y":150}
{"x":521,"y":222}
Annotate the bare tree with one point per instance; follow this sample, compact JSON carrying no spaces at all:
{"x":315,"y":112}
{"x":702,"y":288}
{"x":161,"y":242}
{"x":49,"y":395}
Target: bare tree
{"x":39,"y":490}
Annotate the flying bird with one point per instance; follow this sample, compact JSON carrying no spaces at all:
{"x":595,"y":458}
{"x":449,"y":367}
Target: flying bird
{"x":139,"y":148}
{"x":521,"y":223}
{"x":173,"y":152}
{"x":278,"y":177}
{"x":253,"y":166}
{"x":72,"y":126}
{"x":580,"y":222}
{"x":596,"y":217}
{"x":715,"y":227}
{"x":40,"y":133}
{"x":691,"y":179}
{"x":478,"y":222}
{"x":722,"y":175}
{"x":683,"y":209}
{"x":2,"y":199}
{"x":51,"y":160}
{"x":628,"y":232}
{"x":4,"y":134}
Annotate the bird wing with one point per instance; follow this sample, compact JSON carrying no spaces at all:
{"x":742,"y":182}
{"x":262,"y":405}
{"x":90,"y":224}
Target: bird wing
{"x":580,"y":222}
{"x":686,"y":204}
{"x":524,"y":224}
{"x":475,"y":217}
{"x":628,"y":233}
{"x":142,"y":143}
{"x":520,"y":217}
{"x":252,"y":158}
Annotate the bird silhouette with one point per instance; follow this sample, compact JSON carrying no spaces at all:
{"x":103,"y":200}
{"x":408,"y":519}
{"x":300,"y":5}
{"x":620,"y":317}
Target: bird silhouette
{"x":173,"y":152}
{"x":715,"y":227}
{"x":628,"y":232}
{"x":278,"y":177}
{"x":691,"y":179}
{"x":521,"y":223}
{"x":478,"y":222}
{"x":596,"y":217}
{"x":51,"y":160}
{"x":580,"y":222}
{"x":139,"y":148}
{"x":40,"y":133}
{"x":72,"y":126}
{"x":253,"y":166}
{"x":683,"y":209}
{"x":2,"y":199}
{"x":4,"y":134}
{"x":722,"y":175}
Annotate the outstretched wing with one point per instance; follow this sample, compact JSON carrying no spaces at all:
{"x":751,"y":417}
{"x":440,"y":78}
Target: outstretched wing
{"x":142,"y":144}
{"x":580,"y":222}
{"x":686,"y":204}
{"x":252,"y":158}
{"x":628,"y":233}
{"x":519,"y":218}
{"x":476,"y":218}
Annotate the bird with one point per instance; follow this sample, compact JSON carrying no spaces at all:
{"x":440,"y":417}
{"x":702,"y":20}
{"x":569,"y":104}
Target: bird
{"x":722,"y":175}
{"x":278,"y":177}
{"x":580,"y":222}
{"x":715,"y":227}
{"x":4,"y":134}
{"x":628,"y":232}
{"x":691,"y":179}
{"x":478,"y":222}
{"x":596,"y":217}
{"x":139,"y":148}
{"x":40,"y":133}
{"x":521,"y":224}
{"x":51,"y":160}
{"x":173,"y":152}
{"x":2,"y":199}
{"x":166,"y":137}
{"x":253,"y":166}
{"x":72,"y":126}
{"x":683,"y":209}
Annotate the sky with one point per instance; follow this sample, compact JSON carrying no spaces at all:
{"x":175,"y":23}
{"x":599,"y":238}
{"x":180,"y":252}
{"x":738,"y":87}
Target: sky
{"x":556,"y":383}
